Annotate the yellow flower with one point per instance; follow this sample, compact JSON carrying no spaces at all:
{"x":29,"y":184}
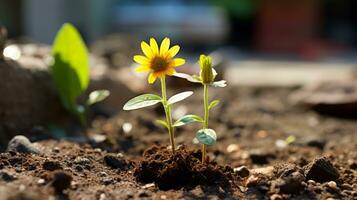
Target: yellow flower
{"x":158,"y":61}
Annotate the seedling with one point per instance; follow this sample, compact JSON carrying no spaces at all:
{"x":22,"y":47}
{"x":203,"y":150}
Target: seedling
{"x":70,"y":72}
{"x":205,"y":136}
{"x":159,"y":62}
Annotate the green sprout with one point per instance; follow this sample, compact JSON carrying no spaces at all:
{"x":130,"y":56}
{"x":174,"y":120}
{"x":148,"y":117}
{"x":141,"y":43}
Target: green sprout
{"x":205,"y":136}
{"x":160,"y":62}
{"x":70,"y":72}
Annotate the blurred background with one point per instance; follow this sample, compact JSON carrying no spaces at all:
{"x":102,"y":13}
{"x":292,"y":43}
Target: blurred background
{"x":305,"y":29}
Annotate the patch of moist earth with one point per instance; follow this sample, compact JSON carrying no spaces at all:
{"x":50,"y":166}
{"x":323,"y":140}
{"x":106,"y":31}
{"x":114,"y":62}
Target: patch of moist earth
{"x":182,"y":169}
{"x":249,"y":122}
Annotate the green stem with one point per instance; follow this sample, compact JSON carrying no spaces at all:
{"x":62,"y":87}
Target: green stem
{"x":206,"y":115}
{"x":167,"y":109}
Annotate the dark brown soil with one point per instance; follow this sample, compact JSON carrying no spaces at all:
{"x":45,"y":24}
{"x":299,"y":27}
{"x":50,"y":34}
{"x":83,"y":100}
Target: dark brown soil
{"x":183,"y":169}
{"x":252,"y":125}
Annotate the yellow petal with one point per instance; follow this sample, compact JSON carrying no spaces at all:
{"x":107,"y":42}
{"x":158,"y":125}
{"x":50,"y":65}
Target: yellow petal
{"x":173,"y":51}
{"x":141,"y":59}
{"x":146,"y":49}
{"x":142,"y":68}
{"x":164,"y":47}
{"x":154,"y":46}
{"x":178,"y":62}
{"x":170,"y":71}
{"x":152,"y":78}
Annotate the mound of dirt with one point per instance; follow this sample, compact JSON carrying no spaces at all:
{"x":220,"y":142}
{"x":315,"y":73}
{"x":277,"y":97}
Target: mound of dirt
{"x":181,"y":170}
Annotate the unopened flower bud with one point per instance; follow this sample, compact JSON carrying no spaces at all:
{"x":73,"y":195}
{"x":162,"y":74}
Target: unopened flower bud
{"x":207,"y":73}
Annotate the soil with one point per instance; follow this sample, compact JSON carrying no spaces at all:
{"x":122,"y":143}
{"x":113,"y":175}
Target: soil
{"x":266,"y":149}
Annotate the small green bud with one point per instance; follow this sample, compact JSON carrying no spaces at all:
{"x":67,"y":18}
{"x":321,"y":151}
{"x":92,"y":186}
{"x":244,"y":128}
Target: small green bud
{"x":207,"y":74}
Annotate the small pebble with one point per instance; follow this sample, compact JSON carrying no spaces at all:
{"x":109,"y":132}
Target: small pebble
{"x":242,"y":171}
{"x":276,"y":197}
{"x":252,"y":181}
{"x":22,"y":188}
{"x":127,"y":127}
{"x":232,"y":147}
{"x":41,"y":181}
{"x":102,"y":197}
{"x":61,"y":180}
{"x":163,"y":197}
{"x":21,"y":144}
{"x":332,"y":185}
{"x":149,"y":185}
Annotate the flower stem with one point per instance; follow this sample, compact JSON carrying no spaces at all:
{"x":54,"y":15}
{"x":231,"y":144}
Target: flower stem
{"x":167,"y":109}
{"x":206,"y":115}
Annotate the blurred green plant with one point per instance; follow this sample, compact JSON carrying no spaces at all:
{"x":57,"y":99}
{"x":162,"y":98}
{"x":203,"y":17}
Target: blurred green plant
{"x":70,"y":72}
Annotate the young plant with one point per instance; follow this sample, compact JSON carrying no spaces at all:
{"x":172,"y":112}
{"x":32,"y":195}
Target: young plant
{"x":70,"y":72}
{"x":205,"y":136}
{"x":159,"y":62}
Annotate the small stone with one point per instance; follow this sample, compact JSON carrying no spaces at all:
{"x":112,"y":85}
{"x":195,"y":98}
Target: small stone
{"x":276,"y":197}
{"x":232,"y":147}
{"x":56,"y":150}
{"x":127,"y":127}
{"x":41,"y":181}
{"x":290,"y":184}
{"x":281,"y":144}
{"x":267,"y":171}
{"x":108,"y":181}
{"x":7,"y":177}
{"x":149,"y":185}
{"x":332,"y":185}
{"x":252,"y":181}
{"x":21,"y":144}
{"x":22,"y":188}
{"x":321,"y":170}
{"x":103,"y":174}
{"x":82,"y":161}
{"x":242,"y":171}
{"x":163,"y":197}
{"x":115,"y":161}
{"x":61,"y":181}
{"x":102,"y":197}
{"x":51,"y":165}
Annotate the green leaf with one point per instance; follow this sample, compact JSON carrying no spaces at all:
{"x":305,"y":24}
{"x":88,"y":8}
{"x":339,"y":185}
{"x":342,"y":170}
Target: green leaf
{"x":221,"y":83}
{"x":97,"y":96}
{"x":70,"y":69}
{"x":206,"y":136}
{"x":193,"y":78}
{"x":142,"y":101}
{"x":162,"y":122}
{"x":213,"y":104}
{"x":187,"y":119}
{"x":179,"y":97}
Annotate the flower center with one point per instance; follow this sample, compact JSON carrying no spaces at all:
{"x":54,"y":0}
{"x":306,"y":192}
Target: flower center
{"x":159,"y":64}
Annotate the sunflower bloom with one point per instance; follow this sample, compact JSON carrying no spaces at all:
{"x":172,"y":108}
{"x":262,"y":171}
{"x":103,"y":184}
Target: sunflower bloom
{"x":158,"y":61}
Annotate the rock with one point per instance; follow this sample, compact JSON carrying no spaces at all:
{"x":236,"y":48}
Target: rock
{"x":7,"y":177}
{"x":61,"y":181}
{"x":290,"y":184}
{"x":313,"y":142}
{"x":21,"y":144}
{"x":242,"y":171}
{"x":321,"y":170}
{"x":51,"y":165}
{"x":260,"y":157}
{"x":331,"y":185}
{"x":27,"y":88}
{"x":276,"y":197}
{"x":266,"y":171}
{"x":116,"y":162}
